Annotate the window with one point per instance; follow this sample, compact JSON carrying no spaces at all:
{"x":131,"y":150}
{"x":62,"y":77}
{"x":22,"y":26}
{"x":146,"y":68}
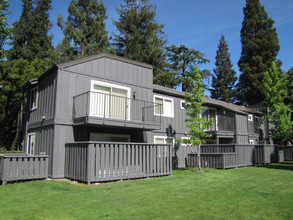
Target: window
{"x":210,"y":113}
{"x":182,"y":104}
{"x":164,"y":106}
{"x":250,"y":117}
{"x":164,"y":140}
{"x":34,"y":98}
{"x":105,"y":137}
{"x":31,"y":139}
{"x":251,"y":142}
{"x":109,"y":101}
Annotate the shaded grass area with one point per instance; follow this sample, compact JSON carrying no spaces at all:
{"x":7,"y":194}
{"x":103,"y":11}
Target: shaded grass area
{"x":243,"y":193}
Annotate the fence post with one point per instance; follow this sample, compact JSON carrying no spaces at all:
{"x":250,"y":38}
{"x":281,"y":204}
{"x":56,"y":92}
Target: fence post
{"x":90,"y":160}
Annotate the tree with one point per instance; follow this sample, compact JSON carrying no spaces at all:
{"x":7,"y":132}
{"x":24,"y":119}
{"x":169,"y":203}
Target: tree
{"x":278,"y":113}
{"x":85,"y":27}
{"x":194,"y":106}
{"x":141,"y":38}
{"x":5,"y":31}
{"x":260,"y":47}
{"x":30,"y":39}
{"x":224,"y":77}
{"x":182,"y":60}
{"x":13,"y":75}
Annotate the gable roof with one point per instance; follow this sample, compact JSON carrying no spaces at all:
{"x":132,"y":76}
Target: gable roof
{"x":102,"y":55}
{"x":210,"y":102}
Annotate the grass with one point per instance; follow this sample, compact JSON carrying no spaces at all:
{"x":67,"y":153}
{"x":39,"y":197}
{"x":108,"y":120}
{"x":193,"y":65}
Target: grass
{"x":243,"y":193}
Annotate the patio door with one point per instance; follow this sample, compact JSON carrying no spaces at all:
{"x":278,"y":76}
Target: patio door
{"x":109,"y":101}
{"x":31,"y":139}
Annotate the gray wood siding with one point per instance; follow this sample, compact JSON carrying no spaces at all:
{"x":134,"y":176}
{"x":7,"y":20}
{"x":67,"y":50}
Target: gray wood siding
{"x":77,"y":79}
{"x":178,"y":121}
{"x":44,"y":142}
{"x":241,"y":124}
{"x":46,"y":100}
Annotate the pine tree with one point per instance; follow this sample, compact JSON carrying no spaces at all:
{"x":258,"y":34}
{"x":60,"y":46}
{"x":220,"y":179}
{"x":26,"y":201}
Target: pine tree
{"x":224,"y":77}
{"x":260,"y":47}
{"x":194,"y":106}
{"x":141,"y":38}
{"x":85,"y":26}
{"x":13,"y":75}
{"x":43,"y":42}
{"x":5,"y":31}
{"x":278,"y":113}
{"x":23,"y":33}
{"x":182,"y":60}
{"x":30,"y":39}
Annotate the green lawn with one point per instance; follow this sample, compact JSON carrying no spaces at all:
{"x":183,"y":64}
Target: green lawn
{"x":243,"y":193}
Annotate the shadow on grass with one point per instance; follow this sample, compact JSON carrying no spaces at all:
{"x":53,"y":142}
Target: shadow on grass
{"x":287,"y":165}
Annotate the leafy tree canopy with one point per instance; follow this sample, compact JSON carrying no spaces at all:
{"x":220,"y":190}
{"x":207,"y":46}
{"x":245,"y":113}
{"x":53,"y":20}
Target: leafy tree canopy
{"x":277,"y":111}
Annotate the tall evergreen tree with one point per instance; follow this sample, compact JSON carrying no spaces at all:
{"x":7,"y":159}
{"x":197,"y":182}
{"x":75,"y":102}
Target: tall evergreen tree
{"x":30,"y":39}
{"x":5,"y":31}
{"x":85,"y":27}
{"x":13,"y":75}
{"x":42,"y":25}
{"x":141,"y":38}
{"x":224,"y":77}
{"x":260,"y":47}
{"x":182,"y":61}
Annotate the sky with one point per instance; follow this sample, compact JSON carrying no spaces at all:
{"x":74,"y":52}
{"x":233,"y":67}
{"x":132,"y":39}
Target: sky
{"x":197,"y":24}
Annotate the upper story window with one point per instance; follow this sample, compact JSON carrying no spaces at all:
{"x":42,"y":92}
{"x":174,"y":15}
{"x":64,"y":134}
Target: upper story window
{"x":34,"y":98}
{"x":250,"y":117}
{"x":182,"y":104}
{"x":164,"y":106}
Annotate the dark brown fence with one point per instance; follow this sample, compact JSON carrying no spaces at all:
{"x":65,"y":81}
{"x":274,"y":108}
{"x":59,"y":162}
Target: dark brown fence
{"x":15,"y":167}
{"x":97,"y":162}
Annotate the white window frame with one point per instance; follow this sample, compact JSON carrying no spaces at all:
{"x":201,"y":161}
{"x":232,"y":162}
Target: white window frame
{"x":216,"y":118}
{"x":250,"y":117}
{"x":34,"y":102}
{"x":181,"y":104}
{"x":251,"y":142}
{"x":111,"y":86}
{"x":31,"y":139}
{"x":164,"y":98}
{"x":165,"y":142}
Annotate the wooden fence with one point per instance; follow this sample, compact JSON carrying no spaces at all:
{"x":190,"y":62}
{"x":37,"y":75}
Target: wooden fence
{"x":15,"y":167}
{"x":288,"y":152}
{"x":213,"y":160}
{"x":97,"y":162}
{"x":230,"y":156}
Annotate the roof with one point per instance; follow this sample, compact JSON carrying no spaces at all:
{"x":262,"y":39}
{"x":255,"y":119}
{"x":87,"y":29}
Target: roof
{"x":102,"y":55}
{"x":210,"y":102}
{"x":87,"y":59}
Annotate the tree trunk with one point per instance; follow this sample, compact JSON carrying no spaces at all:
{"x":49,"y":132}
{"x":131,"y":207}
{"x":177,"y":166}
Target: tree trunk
{"x":198,"y":158}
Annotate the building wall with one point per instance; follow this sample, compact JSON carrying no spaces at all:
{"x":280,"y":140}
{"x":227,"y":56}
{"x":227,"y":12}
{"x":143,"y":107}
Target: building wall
{"x":46,"y":100}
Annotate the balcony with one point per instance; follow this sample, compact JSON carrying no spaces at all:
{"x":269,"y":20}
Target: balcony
{"x":114,"y":110}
